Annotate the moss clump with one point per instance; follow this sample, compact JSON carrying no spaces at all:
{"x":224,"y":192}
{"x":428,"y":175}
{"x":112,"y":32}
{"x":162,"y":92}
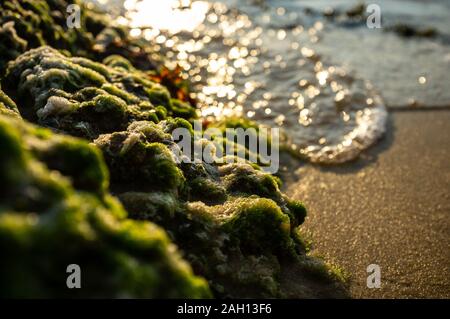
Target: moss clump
{"x":250,"y":223}
{"x":297,"y":212}
{"x":55,"y":211}
{"x":83,"y":163}
{"x":139,"y":158}
{"x":76,"y":94}
{"x":29,"y":24}
{"x":224,"y":217}
{"x":245,"y":179}
{"x":7,"y":106}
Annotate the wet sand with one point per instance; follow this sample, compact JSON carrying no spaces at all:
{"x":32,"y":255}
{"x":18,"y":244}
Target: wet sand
{"x":391,"y":207}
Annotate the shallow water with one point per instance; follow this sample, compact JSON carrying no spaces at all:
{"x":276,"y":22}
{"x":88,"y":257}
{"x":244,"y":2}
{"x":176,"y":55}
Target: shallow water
{"x":272,"y":62}
{"x":409,"y":72}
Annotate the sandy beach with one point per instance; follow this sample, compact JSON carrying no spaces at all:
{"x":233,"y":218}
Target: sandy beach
{"x":391,"y":208}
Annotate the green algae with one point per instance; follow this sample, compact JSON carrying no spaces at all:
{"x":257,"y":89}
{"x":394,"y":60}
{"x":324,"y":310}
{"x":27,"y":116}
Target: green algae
{"x":7,"y":106}
{"x":75,"y":94}
{"x":28,"y":24}
{"x":235,"y":210}
{"x":55,"y":210}
{"x":231,"y":221}
{"x":222,"y":216}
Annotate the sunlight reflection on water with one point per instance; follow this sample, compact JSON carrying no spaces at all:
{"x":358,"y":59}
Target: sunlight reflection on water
{"x":262,"y":66}
{"x":170,"y":15}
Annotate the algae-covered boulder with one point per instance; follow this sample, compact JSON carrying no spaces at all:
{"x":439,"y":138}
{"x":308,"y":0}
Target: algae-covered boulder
{"x":232,"y":221}
{"x":226,"y":218}
{"x":55,"y":211}
{"x":28,"y":24}
{"x":76,"y":95}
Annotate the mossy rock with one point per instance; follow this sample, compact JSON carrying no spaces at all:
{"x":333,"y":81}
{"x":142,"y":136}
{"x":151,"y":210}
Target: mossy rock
{"x":231,"y":221}
{"x":55,"y":211}
{"x":75,"y":94}
{"x":29,"y":24}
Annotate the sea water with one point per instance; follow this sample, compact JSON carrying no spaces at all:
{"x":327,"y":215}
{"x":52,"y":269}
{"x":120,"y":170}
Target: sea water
{"x":327,"y":83}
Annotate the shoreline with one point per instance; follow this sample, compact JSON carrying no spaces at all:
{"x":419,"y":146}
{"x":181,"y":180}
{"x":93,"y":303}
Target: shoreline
{"x":390,"y":207}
